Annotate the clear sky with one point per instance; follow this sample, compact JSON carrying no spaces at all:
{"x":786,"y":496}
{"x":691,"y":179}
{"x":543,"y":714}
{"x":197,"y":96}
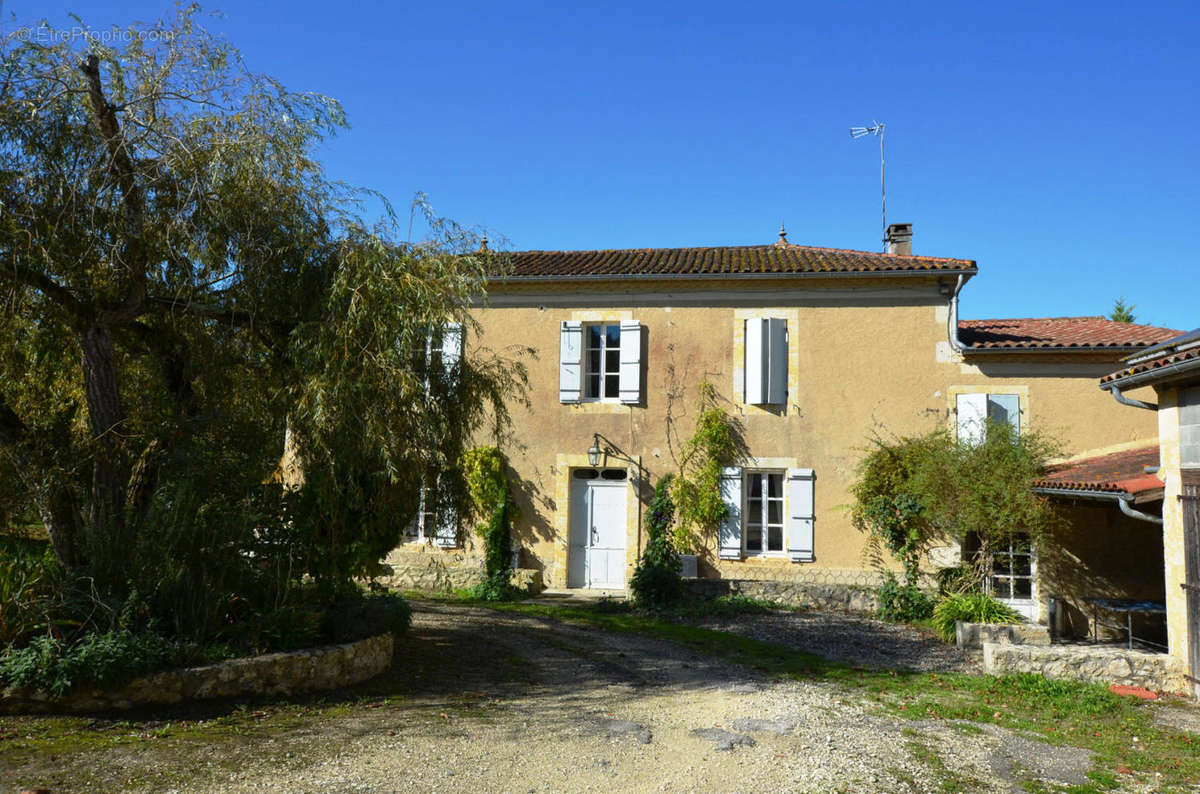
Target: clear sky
{"x":1055,"y":143}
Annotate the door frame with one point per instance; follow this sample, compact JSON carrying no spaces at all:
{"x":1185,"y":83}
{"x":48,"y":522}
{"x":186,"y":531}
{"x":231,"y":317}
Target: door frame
{"x":568,"y":514}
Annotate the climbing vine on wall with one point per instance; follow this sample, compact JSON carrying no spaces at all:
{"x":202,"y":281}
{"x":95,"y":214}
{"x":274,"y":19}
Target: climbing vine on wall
{"x":715,"y":442}
{"x":483,"y":469}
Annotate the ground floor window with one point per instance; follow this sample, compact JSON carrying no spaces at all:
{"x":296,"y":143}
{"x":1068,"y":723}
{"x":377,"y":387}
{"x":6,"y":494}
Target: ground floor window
{"x":1009,"y":570}
{"x":763,"y":514}
{"x":432,"y":522}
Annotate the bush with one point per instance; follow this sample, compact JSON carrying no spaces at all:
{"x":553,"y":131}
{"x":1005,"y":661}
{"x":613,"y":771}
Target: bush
{"x":656,"y":582}
{"x":972,"y":608}
{"x":497,"y":540}
{"x":30,"y":592}
{"x":105,"y":660}
{"x":373,"y":614}
{"x":903,"y":602}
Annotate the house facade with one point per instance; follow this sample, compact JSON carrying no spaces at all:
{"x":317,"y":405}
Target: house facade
{"x":814,"y":351}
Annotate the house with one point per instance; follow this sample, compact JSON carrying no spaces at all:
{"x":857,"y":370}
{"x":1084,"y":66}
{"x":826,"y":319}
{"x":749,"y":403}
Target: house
{"x":814,"y":350}
{"x":1169,"y":373}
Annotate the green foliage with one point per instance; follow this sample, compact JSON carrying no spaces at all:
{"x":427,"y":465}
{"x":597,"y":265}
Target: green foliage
{"x":356,"y":618}
{"x":972,"y":608}
{"x":715,"y":443}
{"x":30,"y":592}
{"x":656,"y":582}
{"x":903,"y":602}
{"x":483,"y":470}
{"x":182,"y":285}
{"x":916,"y":492}
{"x":103,"y":660}
{"x":1121,"y":312}
{"x":497,"y":539}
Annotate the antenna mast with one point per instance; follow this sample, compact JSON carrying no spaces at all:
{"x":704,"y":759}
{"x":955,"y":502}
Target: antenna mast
{"x":876,"y":129}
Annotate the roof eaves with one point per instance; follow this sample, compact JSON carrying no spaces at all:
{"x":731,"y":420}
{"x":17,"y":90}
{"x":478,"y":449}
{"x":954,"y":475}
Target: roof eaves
{"x":927,"y":273}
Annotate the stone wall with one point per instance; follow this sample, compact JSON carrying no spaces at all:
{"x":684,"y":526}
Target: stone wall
{"x":307,"y":670}
{"x":974,"y":635}
{"x":811,"y":595}
{"x":1099,"y":664}
{"x":428,"y":568}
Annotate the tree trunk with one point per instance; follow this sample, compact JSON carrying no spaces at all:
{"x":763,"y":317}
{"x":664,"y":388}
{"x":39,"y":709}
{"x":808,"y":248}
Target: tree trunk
{"x":58,"y":513}
{"x":105,"y":416}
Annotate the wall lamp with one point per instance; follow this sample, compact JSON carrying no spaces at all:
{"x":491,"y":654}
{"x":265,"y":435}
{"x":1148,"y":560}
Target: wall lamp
{"x":594,"y":452}
{"x":602,"y":448}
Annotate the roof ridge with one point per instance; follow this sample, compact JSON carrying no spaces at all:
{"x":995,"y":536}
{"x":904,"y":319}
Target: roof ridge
{"x":769,"y":246}
{"x":1056,"y":319}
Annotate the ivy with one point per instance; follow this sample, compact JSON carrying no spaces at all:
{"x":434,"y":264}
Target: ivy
{"x":715,"y":443}
{"x":656,"y":581}
{"x":483,"y":469}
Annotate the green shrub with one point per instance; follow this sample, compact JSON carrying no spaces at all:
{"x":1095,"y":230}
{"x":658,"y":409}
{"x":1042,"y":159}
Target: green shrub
{"x":656,"y":582}
{"x":105,"y":660}
{"x":497,"y":540}
{"x":903,"y":602}
{"x":30,"y":592}
{"x":365,"y":617}
{"x":972,"y":608}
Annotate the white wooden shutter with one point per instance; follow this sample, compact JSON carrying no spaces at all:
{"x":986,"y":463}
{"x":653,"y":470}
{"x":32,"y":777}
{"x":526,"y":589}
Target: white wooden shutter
{"x":757,"y":362}
{"x":800,"y":515}
{"x":630,"y":389}
{"x":570,"y":360}
{"x":452,"y":347}
{"x":445,"y":534}
{"x":731,"y":526}
{"x":1005,"y":408}
{"x":972,"y":417}
{"x":777,"y":358}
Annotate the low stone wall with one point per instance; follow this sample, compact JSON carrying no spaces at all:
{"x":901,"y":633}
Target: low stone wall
{"x":328,"y":667}
{"x":974,"y":635}
{"x":810,"y":595}
{"x":428,"y":568}
{"x":1103,"y":664}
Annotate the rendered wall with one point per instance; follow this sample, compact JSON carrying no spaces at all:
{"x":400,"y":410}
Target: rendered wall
{"x":873,"y":358}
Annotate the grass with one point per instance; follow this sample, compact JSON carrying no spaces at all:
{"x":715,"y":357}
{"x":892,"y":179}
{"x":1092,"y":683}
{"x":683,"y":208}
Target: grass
{"x":1057,"y":712}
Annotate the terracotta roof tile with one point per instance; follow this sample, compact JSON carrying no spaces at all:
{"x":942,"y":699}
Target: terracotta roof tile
{"x":1034,"y":333}
{"x":1183,"y":348}
{"x":1117,"y":472}
{"x":733,"y":260}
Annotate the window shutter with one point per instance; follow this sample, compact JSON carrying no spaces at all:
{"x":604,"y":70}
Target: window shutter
{"x":972,"y":417}
{"x":570,"y":359}
{"x":731,"y":526}
{"x":777,"y":356}
{"x":800,"y":515}
{"x":446,"y":531}
{"x":452,"y":346}
{"x":630,"y":389}
{"x":1002,"y":408}
{"x":757,"y":363}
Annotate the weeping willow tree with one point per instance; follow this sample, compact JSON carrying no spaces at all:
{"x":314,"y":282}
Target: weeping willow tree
{"x":180,"y":281}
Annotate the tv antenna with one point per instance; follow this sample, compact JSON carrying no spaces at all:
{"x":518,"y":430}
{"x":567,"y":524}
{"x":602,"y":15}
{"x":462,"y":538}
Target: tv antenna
{"x":876,"y":129}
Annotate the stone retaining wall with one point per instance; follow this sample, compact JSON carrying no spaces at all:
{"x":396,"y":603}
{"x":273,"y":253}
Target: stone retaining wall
{"x":845,"y":598}
{"x":423,"y":567}
{"x":1099,"y":664}
{"x":974,"y":635}
{"x":328,"y":667}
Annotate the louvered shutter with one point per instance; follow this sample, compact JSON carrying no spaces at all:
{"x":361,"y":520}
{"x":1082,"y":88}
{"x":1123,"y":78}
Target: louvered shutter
{"x":777,"y":359}
{"x":731,"y":526}
{"x":630,"y":389}
{"x":801,"y":515}
{"x":452,"y":347}
{"x":1005,"y":409}
{"x":570,"y":360}
{"x":972,"y":417}
{"x":757,"y":362}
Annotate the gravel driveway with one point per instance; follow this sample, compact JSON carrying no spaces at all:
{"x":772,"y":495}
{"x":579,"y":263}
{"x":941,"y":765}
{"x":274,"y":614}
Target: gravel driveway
{"x":513,"y":703}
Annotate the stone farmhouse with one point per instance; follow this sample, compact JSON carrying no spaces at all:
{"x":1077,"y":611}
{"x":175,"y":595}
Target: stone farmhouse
{"x":814,"y":350}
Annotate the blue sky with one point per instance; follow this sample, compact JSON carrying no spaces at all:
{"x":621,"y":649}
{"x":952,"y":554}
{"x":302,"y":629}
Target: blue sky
{"x":1056,"y":144}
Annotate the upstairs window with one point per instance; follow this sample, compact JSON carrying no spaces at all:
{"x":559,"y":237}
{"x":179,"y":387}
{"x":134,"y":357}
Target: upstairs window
{"x":602,"y":362}
{"x":766,"y":369}
{"x":977,"y":411}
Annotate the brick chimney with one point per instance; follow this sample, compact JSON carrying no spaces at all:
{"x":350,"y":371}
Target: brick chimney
{"x":899,"y":239}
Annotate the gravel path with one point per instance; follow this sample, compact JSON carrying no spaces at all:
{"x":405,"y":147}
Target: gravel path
{"x":500,"y":702}
{"x":852,"y":638}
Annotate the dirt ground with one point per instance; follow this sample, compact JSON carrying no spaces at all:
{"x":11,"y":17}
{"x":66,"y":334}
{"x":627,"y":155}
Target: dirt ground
{"x":481,"y":701}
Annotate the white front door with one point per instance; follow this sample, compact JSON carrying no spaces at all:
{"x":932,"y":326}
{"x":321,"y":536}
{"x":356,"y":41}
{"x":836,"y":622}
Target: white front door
{"x":596,"y":557}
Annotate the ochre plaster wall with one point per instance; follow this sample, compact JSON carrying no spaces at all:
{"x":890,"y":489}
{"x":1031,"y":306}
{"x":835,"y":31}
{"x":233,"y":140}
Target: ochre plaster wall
{"x":865,"y":360}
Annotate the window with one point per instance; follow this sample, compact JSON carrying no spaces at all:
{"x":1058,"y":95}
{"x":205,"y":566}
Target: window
{"x":767,"y":513}
{"x":1010,"y":572}
{"x":433,"y":522}
{"x":1189,"y":427}
{"x":766,"y":370}
{"x":602,"y":362}
{"x":977,"y":411}
{"x":763,"y":516}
